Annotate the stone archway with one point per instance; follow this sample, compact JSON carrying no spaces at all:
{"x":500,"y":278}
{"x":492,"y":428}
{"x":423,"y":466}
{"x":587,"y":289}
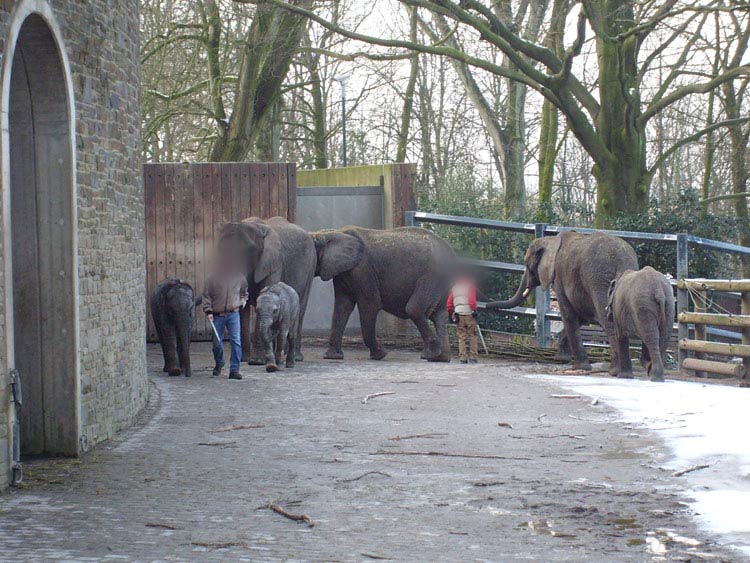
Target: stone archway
{"x":42,"y":221}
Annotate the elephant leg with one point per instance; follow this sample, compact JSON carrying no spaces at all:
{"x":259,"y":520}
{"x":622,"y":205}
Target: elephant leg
{"x":183,"y":349}
{"x":625,"y":366}
{"x":572,"y":325}
{"x":342,"y":310}
{"x":246,"y":333}
{"x":169,"y":348}
{"x":368,"y":316}
{"x":162,"y":342}
{"x":655,"y":368}
{"x":421,"y":301}
{"x":303,"y":300}
{"x":440,"y":320}
{"x":645,"y":357}
{"x":272,"y":353}
{"x":563,"y":348}
{"x":291,"y":348}
{"x":618,"y":362}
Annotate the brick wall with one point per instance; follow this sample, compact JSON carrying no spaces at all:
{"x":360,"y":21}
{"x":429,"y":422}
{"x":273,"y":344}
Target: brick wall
{"x":101,"y":38}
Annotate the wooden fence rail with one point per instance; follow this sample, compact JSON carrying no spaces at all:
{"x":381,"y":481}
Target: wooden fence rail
{"x":699,"y":345}
{"x":186,"y":205}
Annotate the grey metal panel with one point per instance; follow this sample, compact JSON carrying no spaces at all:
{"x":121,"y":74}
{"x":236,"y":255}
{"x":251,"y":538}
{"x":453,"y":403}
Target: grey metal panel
{"x":333,"y":208}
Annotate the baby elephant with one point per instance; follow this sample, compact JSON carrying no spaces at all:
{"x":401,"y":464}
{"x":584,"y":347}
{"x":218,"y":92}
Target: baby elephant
{"x":641,"y":304}
{"x":173,"y":307}
{"x":277,"y":309}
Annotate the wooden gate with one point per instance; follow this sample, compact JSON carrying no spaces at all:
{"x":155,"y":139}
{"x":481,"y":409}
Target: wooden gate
{"x":186,"y":205}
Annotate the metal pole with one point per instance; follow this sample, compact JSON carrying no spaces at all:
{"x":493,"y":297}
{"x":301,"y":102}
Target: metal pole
{"x":682,"y":294}
{"x":542,"y":324}
{"x":481,"y":337}
{"x":409,"y":218}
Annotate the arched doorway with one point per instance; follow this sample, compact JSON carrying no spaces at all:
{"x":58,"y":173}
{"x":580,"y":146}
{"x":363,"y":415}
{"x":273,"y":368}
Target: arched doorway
{"x":43,"y":247}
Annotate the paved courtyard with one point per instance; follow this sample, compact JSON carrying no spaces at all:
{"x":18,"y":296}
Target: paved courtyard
{"x":444,"y":462}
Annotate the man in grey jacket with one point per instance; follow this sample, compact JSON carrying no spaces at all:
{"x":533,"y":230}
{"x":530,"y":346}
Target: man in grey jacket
{"x":224,"y":296}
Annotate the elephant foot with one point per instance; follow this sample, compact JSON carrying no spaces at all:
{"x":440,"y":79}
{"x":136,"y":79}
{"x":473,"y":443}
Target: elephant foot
{"x":584,"y":365}
{"x":613,"y":370}
{"x":165,"y":369}
{"x":378,"y":354}
{"x":173,"y":372}
{"x":432,"y":352}
{"x":256,"y":362}
{"x":657,"y":378}
{"x":625,"y":375}
{"x":563,"y":358}
{"x":270,"y":368}
{"x":445,"y":358}
{"x":333,"y":354}
{"x":188,"y":374}
{"x":290,"y":364}
{"x":298,"y":357}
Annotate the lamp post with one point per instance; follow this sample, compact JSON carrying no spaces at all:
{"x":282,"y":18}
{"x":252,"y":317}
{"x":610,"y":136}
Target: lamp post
{"x":342,"y":82}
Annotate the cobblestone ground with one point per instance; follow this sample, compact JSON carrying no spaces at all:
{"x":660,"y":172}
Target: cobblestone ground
{"x":456,"y":463}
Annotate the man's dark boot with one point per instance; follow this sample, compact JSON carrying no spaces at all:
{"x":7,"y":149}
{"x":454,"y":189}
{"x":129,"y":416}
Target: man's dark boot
{"x":235,"y":375}
{"x":217,"y":371}
{"x":464,"y":361}
{"x":473,"y":361}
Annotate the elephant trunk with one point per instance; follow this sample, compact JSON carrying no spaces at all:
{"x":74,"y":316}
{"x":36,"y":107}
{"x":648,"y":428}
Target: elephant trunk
{"x":521,"y":294}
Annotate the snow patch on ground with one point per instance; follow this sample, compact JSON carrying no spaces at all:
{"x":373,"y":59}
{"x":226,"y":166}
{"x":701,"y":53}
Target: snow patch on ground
{"x":701,"y":424}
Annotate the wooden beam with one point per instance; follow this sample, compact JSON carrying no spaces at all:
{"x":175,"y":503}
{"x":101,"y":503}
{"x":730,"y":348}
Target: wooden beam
{"x":722,"y":368}
{"x":720,"y":348}
{"x":715,"y":285}
{"x":714,"y":319}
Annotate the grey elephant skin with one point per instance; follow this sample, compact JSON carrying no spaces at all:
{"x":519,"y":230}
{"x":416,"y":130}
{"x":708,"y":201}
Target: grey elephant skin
{"x":405,"y":272}
{"x":579,"y":267}
{"x":173,"y":310}
{"x":267,"y":252}
{"x":278,"y":310}
{"x":641,"y":305}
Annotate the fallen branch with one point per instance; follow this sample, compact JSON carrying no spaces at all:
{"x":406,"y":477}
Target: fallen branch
{"x":375,"y":556}
{"x":578,"y":372}
{"x":238,"y":427}
{"x":447,"y":454}
{"x":432,"y":435}
{"x":505,"y":424}
{"x":218,"y":444}
{"x":162,"y":526}
{"x":689,"y":470}
{"x":296,"y":517}
{"x":565,"y":396}
{"x":377,"y":395}
{"x":364,"y":475}
{"x":218,"y":545}
{"x":540,"y":417}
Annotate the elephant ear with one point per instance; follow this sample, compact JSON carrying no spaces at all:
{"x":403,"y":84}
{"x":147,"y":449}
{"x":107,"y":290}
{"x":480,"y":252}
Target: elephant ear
{"x":611,"y":301}
{"x":270,"y":260}
{"x":337,"y":253}
{"x":546,"y":270}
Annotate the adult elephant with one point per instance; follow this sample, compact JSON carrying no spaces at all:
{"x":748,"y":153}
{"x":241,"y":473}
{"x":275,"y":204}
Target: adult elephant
{"x":404,"y":271}
{"x":580,"y":268}
{"x":269,"y":251}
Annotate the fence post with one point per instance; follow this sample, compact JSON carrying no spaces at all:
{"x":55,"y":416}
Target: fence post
{"x":682,"y":294}
{"x":409,"y":218}
{"x":542,"y":324}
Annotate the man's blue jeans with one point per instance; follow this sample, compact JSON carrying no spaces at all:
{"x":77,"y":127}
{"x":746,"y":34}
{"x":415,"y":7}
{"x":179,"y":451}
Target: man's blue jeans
{"x":230,"y":321}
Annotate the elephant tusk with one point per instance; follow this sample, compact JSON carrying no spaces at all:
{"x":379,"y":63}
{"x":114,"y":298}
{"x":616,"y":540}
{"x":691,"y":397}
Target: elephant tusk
{"x":526,"y":292}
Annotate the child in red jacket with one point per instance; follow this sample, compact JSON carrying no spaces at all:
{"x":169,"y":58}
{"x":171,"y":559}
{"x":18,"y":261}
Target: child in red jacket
{"x":462,"y":308}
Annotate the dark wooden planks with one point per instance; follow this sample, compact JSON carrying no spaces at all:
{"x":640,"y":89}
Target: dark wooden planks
{"x":186,"y":206}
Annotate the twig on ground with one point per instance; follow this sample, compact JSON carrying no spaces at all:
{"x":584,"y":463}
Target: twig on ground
{"x":432,"y":435}
{"x":218,"y":545}
{"x":690,"y":470}
{"x":364,"y":475}
{"x":368,"y":397}
{"x":238,"y":427}
{"x":296,"y":517}
{"x":540,"y":417}
{"x":445,"y":384}
{"x":407,"y":381}
{"x":505,"y":424}
{"x":375,"y":556}
{"x":573,"y":436}
{"x":578,"y":372}
{"x":565,"y":396}
{"x":218,"y":444}
{"x":448,"y":454}
{"x":160,"y":525}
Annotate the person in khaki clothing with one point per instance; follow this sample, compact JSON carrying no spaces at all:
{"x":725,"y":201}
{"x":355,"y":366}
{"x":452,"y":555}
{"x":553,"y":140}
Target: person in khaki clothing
{"x":224,"y":295}
{"x":462,"y":308}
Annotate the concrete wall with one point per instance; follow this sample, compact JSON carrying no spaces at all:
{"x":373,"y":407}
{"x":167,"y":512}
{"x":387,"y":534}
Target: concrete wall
{"x":332,"y":208}
{"x":99,"y":49}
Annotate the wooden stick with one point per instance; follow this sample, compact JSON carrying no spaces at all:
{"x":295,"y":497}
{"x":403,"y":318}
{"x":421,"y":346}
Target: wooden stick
{"x":238,"y":427}
{"x":217,"y":443}
{"x":296,"y":517}
{"x":689,"y":470}
{"x":447,"y":454}
{"x":368,"y":397}
{"x":565,"y":396}
{"x":160,"y":525}
{"x":433,"y":435}
{"x":364,"y":475}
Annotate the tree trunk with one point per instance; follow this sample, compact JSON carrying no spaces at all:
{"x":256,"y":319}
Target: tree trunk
{"x":406,"y":110}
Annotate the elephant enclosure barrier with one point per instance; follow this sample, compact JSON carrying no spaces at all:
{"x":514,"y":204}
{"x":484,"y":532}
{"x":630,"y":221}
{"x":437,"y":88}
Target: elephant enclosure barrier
{"x":702,"y":329}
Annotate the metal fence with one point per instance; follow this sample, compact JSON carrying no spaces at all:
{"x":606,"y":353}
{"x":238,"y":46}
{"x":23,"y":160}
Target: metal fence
{"x":542,"y":312}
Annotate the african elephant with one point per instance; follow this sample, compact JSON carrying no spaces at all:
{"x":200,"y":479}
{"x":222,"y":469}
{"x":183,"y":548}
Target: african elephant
{"x":278,"y":316}
{"x":579,"y":267}
{"x":404,"y":271}
{"x":269,"y":251}
{"x":641,"y":304}
{"x":173,"y":309}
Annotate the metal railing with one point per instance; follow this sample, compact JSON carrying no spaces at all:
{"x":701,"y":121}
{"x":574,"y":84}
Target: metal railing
{"x":542,"y":312}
